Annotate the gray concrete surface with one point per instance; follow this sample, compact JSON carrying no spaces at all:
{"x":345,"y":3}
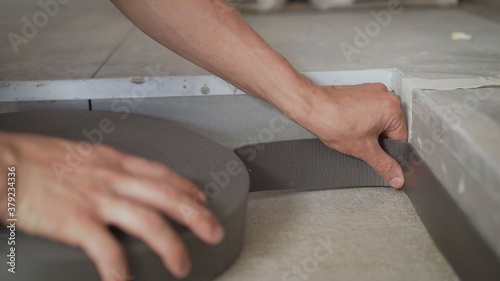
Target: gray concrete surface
{"x":92,"y":39}
{"x":494,"y":4}
{"x":72,"y":44}
{"x":457,"y":134}
{"x":342,"y":234}
{"x":416,"y":40}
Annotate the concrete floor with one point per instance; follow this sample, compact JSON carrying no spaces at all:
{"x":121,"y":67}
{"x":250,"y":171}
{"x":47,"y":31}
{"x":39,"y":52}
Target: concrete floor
{"x":376,"y":233}
{"x":93,"y":40}
{"x":362,"y":234}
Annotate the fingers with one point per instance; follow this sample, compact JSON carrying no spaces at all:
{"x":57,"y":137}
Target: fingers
{"x":383,"y":163}
{"x":79,"y":227}
{"x":151,"y":186}
{"x":104,"y":250}
{"x":90,"y":202}
{"x":174,"y":195}
{"x":144,"y":168}
{"x":174,"y":203}
{"x":396,"y":128}
{"x":150,"y":227}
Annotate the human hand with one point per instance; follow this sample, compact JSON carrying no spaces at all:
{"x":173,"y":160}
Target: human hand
{"x":107,"y":188}
{"x":350,"y":119}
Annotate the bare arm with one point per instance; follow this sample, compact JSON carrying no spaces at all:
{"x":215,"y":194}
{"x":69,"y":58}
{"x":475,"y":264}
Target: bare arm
{"x":213,"y":35}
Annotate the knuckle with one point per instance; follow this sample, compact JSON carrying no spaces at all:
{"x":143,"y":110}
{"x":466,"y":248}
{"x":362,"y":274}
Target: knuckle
{"x":103,"y":183}
{"x":165,"y":171}
{"x":134,"y":162}
{"x":103,"y":249}
{"x":107,"y":150}
{"x":152,"y":221}
{"x":359,"y":150}
{"x":157,"y":168}
{"x":83,"y":217}
{"x":394,"y":99}
{"x":189,"y":214}
{"x":393,"y":102}
{"x":202,"y":217}
{"x":76,"y":220}
{"x":380,"y":86}
{"x":170,"y":193}
{"x":384,"y":168}
{"x":177,"y":252}
{"x":112,"y":253}
{"x":209,"y":219}
{"x":121,"y":181}
{"x":101,"y":147}
{"x":191,"y":187}
{"x":104,"y":173}
{"x":156,"y":165}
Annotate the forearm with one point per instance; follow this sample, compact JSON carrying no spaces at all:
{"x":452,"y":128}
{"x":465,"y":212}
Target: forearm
{"x":213,"y":35}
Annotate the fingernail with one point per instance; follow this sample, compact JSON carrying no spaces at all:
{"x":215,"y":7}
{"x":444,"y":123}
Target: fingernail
{"x":185,"y":268}
{"x":201,"y":198}
{"x":218,"y":233}
{"x":396,"y":182}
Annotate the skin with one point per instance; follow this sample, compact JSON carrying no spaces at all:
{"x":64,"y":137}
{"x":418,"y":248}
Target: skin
{"x":112,"y":188}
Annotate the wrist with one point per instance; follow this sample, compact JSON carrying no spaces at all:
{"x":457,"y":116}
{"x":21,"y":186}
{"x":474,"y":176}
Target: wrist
{"x":295,"y":96}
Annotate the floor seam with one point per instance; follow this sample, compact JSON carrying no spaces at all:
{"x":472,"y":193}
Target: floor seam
{"x":120,"y":43}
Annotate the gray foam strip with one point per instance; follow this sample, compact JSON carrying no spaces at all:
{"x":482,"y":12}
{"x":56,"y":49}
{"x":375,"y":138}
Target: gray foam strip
{"x":309,"y":164}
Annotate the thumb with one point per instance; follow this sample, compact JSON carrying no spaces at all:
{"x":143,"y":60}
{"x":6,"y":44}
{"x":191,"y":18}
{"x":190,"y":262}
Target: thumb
{"x":386,"y":166}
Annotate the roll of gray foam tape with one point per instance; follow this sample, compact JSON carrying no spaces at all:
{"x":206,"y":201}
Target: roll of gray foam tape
{"x":217,"y":170}
{"x":186,"y":152}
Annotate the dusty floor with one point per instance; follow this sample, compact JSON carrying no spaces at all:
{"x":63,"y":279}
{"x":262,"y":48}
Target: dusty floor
{"x":343,"y":234}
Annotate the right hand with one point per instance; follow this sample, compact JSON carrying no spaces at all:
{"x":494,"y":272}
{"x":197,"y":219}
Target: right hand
{"x":107,"y":188}
{"x":350,"y":119}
